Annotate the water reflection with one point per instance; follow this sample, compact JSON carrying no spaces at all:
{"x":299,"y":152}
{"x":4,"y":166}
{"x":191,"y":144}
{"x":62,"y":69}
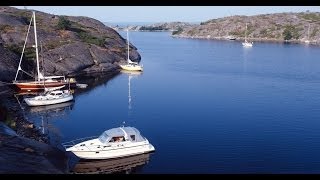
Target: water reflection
{"x":93,"y":81}
{"x":127,"y":165}
{"x":44,"y":116}
{"x":55,"y":108}
{"x":130,"y":74}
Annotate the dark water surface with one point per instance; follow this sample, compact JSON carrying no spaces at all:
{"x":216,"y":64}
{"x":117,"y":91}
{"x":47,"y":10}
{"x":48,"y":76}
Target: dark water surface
{"x":208,"y":106}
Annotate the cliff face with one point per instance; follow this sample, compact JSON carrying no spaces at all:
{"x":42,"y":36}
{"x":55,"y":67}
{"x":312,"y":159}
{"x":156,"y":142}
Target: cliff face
{"x":278,"y":27}
{"x":67,"y":45}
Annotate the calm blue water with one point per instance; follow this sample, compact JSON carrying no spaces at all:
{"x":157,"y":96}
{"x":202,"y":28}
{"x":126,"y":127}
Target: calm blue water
{"x":211,"y":106}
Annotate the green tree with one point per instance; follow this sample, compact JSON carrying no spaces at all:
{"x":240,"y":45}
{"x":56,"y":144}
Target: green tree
{"x":63,"y":24}
{"x":287,"y":34}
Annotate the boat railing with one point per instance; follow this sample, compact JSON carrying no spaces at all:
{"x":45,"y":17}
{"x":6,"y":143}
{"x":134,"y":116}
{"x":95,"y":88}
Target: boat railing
{"x":77,"y":141}
{"x":28,"y":81}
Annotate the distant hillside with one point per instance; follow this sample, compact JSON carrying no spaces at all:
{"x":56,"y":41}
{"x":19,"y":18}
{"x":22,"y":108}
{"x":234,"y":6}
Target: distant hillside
{"x":291,"y":27}
{"x":167,"y":26}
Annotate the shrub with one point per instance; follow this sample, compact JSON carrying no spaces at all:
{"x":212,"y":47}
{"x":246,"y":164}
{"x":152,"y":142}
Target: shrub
{"x":177,"y":31}
{"x":88,"y":38}
{"x":63,"y":23}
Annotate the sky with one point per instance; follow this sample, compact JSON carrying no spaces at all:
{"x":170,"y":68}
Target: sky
{"x":114,"y":14}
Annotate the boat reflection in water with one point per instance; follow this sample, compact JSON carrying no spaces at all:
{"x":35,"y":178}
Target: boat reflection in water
{"x":125,"y":165}
{"x":61,"y":107}
{"x":43,"y":118}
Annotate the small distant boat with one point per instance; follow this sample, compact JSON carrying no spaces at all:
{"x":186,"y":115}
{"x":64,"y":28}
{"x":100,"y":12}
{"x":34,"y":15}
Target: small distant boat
{"x":246,"y":43}
{"x":131,"y":66}
{"x":112,"y":143}
{"x":82,"y":86}
{"x":232,"y":38}
{"x":50,"y":97}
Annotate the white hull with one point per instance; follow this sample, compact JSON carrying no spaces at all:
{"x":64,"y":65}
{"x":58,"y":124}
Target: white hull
{"x":246,"y":44}
{"x":38,"y":102}
{"x":129,"y":67}
{"x":115,"y":151}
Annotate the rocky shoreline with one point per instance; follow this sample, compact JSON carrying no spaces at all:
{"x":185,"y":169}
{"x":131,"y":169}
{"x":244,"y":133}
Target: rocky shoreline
{"x":20,"y":137}
{"x":299,"y":28}
{"x":265,"y":40}
{"x":24,"y":149}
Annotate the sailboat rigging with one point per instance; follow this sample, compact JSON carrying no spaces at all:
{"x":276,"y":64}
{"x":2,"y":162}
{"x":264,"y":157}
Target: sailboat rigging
{"x":130,"y":66}
{"x":246,"y":43}
{"x":308,"y":40}
{"x":40,"y":80}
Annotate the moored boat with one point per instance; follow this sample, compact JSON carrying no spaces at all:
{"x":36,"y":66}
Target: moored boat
{"x":112,"y":143}
{"x":50,"y":97}
{"x":41,"y":81}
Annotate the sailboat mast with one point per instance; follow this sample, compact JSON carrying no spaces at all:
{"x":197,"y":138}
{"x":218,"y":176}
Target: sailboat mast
{"x":309,"y":32}
{"x":245,"y":34}
{"x":128,"y":42}
{"x":36,"y":44}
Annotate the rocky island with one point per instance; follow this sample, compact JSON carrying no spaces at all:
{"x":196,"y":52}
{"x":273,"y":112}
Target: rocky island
{"x":281,"y":27}
{"x":68,"y":45}
{"x":166,"y":26}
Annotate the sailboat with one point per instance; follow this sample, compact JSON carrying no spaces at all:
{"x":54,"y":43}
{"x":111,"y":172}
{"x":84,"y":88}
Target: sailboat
{"x":131,"y":66}
{"x":246,"y":43}
{"x":40,"y":81}
{"x":308,"y":41}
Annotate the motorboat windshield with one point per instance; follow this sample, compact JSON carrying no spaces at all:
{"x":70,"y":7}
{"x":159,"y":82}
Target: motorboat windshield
{"x":104,"y":138}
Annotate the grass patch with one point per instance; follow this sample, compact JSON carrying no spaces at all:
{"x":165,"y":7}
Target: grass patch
{"x":56,"y":43}
{"x":313,"y":17}
{"x":29,"y":52}
{"x":291,"y":32}
{"x":88,"y":38}
{"x":314,"y":32}
{"x":5,"y":28}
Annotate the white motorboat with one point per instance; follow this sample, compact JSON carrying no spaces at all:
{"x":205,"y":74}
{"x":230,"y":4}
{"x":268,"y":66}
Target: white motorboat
{"x":112,"y":143}
{"x":50,"y":97}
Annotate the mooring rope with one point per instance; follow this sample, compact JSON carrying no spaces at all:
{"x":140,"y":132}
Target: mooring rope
{"x":2,"y":83}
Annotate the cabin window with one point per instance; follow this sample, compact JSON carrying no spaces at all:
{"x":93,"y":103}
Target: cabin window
{"x":133,"y":137}
{"x":117,"y":139}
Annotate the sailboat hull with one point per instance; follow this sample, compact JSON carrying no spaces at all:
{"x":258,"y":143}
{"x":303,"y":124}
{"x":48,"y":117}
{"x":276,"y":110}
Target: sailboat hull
{"x":129,"y":67}
{"x":40,"y":85}
{"x":46,"y":101}
{"x":247,"y":44}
